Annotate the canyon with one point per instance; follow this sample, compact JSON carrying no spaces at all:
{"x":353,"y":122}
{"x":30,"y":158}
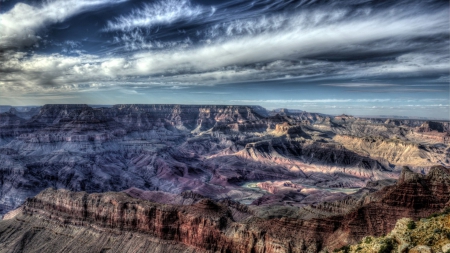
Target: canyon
{"x":211,"y":178}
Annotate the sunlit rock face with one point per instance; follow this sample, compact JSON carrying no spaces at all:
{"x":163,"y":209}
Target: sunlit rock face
{"x":243,"y":153}
{"x":142,"y":221}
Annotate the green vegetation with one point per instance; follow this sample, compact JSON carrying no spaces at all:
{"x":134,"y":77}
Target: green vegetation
{"x":430,"y":241}
{"x":444,"y":212}
{"x":434,"y":215}
{"x":387,"y":246}
{"x":345,"y":249}
{"x":437,"y":231}
{"x":368,"y":240}
{"x":411,"y":225}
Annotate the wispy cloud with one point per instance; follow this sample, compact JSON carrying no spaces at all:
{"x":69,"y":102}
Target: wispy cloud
{"x":400,"y":90}
{"x":327,"y":101}
{"x":20,"y":26}
{"x":360,"y":85}
{"x":211,"y":92}
{"x":176,"y":87}
{"x":281,"y":46}
{"x":158,"y":13}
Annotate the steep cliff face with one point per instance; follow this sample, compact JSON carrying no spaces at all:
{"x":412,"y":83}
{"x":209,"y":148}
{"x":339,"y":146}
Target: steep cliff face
{"x":210,"y":226}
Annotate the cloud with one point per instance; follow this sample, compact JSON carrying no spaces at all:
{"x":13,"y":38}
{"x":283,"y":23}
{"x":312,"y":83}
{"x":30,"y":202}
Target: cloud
{"x":360,"y":85}
{"x":176,"y":87}
{"x":357,"y":102}
{"x":399,"y":90}
{"x":299,"y":38}
{"x":158,"y":13}
{"x":20,"y":26}
{"x":211,"y":93}
{"x":130,"y":92}
{"x":136,"y":40}
{"x":268,"y":47}
{"x":327,"y":101}
{"x":64,"y":72}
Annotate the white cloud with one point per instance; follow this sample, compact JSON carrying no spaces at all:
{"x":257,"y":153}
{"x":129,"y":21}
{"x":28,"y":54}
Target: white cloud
{"x":136,"y":40}
{"x":20,"y":26}
{"x":158,"y":13}
{"x":278,"y":52}
{"x":177,"y":87}
{"x":58,"y":71}
{"x":327,"y":101}
{"x":360,"y":85}
{"x":129,"y":92}
{"x":297,"y":39}
{"x":342,"y":103}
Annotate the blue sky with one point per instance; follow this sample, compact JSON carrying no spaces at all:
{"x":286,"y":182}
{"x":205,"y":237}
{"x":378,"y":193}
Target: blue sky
{"x":357,"y":57}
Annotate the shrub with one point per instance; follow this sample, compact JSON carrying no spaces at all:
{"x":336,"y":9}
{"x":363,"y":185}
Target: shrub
{"x":368,"y":240}
{"x":345,"y":249}
{"x":434,"y":215}
{"x":387,"y":246}
{"x":411,"y":225}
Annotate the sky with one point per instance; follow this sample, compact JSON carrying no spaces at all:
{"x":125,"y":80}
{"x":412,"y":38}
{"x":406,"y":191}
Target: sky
{"x":358,"y":57}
